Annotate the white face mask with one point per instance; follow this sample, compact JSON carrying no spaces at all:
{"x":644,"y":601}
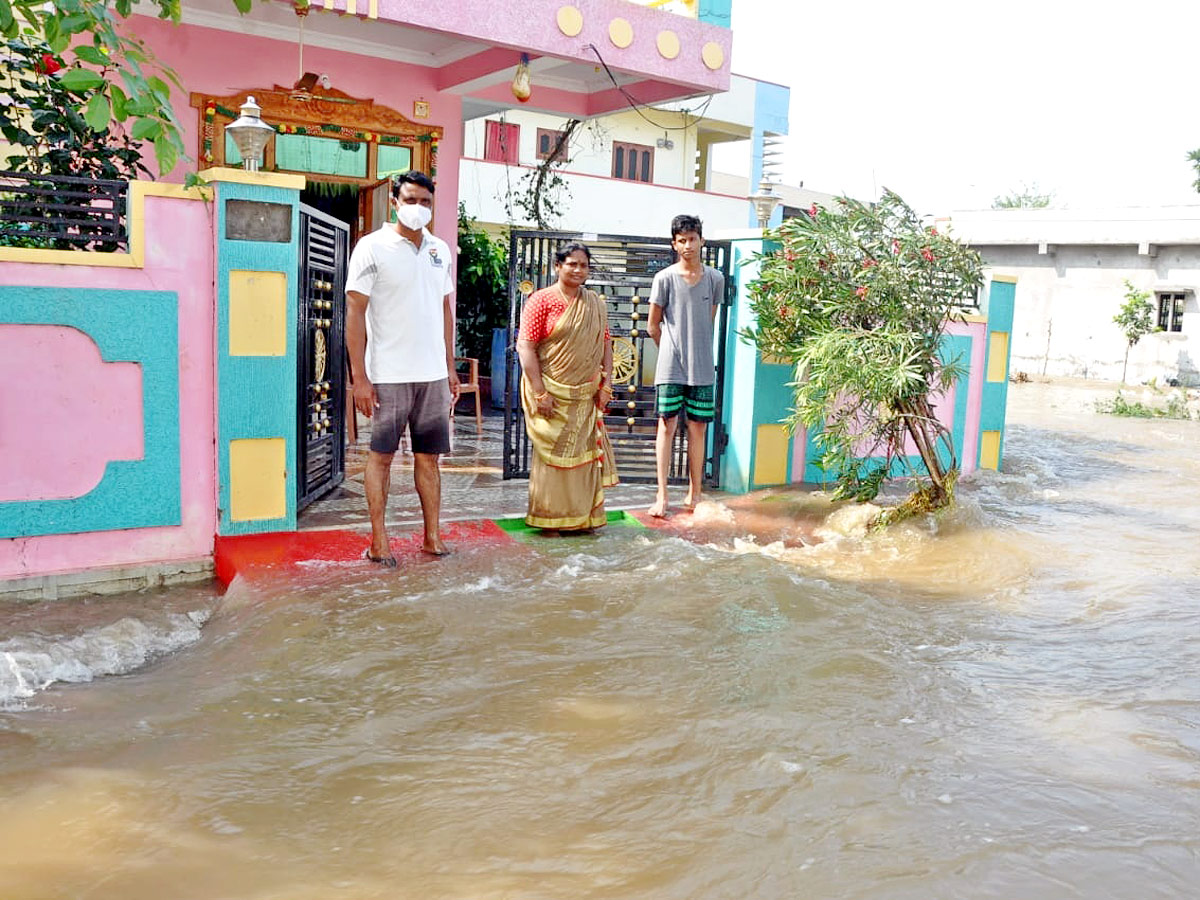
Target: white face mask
{"x":413,"y":216}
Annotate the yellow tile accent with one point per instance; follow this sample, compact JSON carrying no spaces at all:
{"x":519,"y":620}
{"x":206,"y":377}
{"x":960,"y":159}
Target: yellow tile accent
{"x":266,"y":179}
{"x":1007,"y":279}
{"x":713,"y":55}
{"x":257,"y":313}
{"x":997,"y":367}
{"x":620,"y":32}
{"x":257,"y":479}
{"x":989,"y":450}
{"x":668,"y":44}
{"x":771,"y":455}
{"x":570,"y":20}
{"x":351,"y":7}
{"x":769,"y":359}
{"x":373,"y":9}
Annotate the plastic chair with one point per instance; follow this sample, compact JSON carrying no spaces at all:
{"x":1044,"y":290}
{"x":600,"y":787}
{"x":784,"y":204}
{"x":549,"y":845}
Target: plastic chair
{"x":468,"y":383}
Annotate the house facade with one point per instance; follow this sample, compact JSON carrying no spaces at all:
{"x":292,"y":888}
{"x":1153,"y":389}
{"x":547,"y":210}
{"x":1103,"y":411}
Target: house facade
{"x":627,"y":172}
{"x":1073,"y":267}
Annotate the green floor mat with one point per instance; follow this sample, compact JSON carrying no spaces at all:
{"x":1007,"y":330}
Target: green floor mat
{"x":516,"y":526}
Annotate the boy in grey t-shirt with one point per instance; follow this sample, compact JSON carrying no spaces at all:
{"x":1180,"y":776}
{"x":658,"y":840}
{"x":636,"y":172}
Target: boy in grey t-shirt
{"x":683,"y":305}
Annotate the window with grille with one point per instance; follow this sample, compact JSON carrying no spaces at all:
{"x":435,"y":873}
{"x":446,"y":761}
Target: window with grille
{"x":1170,"y":311}
{"x":633,"y":162}
{"x":502,"y":142}
{"x":547,"y":140}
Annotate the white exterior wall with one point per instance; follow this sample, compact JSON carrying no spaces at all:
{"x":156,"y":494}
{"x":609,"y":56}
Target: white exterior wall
{"x":602,"y":205}
{"x":1066,"y":300}
{"x":591,"y":146}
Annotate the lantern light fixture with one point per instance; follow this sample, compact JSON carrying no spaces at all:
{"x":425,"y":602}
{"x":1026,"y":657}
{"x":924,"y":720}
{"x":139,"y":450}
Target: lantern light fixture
{"x":250,"y":134}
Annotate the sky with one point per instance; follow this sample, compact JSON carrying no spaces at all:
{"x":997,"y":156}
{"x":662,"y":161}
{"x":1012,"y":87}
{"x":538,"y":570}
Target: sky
{"x":950,"y":104}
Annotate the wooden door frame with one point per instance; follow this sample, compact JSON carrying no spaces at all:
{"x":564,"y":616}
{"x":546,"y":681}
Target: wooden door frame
{"x":330,"y":113}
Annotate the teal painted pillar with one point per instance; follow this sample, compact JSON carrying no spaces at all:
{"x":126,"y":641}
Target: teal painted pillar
{"x":1001,"y":300}
{"x":257,"y":262}
{"x":757,"y":397}
{"x":741,"y":368}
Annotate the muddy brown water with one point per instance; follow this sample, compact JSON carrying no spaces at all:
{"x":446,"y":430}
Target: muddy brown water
{"x":999,"y":704}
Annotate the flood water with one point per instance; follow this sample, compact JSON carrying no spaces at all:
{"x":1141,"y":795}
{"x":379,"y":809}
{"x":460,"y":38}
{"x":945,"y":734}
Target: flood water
{"x":1000,"y":704}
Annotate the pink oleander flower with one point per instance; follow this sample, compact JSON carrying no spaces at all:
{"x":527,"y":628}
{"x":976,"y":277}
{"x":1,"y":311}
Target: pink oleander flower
{"x":861,"y":290}
{"x":928,"y":254}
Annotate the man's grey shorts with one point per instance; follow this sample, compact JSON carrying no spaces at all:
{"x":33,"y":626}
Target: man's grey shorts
{"x":422,"y":406}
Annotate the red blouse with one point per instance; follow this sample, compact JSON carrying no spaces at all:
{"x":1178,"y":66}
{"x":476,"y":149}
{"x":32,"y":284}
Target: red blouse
{"x":541,"y":314}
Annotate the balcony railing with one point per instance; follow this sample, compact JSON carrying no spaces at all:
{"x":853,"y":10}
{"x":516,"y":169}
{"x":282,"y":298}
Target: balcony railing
{"x":58,"y":212}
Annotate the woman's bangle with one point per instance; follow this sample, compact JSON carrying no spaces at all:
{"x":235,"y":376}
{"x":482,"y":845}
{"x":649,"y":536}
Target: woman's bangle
{"x":542,"y":396}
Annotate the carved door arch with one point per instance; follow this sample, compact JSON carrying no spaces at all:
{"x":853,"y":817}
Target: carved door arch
{"x":326,"y":113}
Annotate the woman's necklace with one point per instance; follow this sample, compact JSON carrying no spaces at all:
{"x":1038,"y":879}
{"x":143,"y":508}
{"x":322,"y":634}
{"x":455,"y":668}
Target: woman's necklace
{"x":564,"y":293}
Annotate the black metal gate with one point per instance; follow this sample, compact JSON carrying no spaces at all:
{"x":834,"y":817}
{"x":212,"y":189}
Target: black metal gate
{"x":622,"y":270}
{"x":321,"y":355}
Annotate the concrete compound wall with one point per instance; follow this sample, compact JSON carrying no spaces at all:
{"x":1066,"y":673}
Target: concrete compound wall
{"x":761,"y":452}
{"x":1068,"y":299}
{"x":106,"y":418}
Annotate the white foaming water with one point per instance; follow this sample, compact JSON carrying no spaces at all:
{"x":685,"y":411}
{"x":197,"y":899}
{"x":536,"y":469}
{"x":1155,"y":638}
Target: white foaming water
{"x":31,"y":663}
{"x":709,"y":511}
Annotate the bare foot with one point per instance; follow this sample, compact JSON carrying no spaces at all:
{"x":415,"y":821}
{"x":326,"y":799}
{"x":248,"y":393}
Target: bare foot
{"x":435,"y":548}
{"x":384,"y":559}
{"x":689,"y":503}
{"x":659,"y":509}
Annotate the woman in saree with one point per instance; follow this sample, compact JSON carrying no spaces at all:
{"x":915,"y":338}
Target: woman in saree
{"x":566,"y":384}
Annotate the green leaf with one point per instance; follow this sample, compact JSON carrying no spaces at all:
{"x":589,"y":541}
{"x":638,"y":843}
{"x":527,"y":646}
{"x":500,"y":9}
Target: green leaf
{"x":166,"y":152}
{"x":159,"y":88}
{"x":98,"y":112}
{"x":146,"y":129}
{"x":74,"y":24}
{"x":6,"y":16}
{"x":193,"y":179}
{"x":243,"y":6}
{"x":140,"y":106}
{"x":93,"y":55}
{"x":118,"y":103}
{"x":80,"y":80}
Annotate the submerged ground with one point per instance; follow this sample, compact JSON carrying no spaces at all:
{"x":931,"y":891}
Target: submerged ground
{"x":1000,"y":703}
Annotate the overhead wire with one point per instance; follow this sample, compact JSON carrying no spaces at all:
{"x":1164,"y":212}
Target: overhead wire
{"x":638,"y":106}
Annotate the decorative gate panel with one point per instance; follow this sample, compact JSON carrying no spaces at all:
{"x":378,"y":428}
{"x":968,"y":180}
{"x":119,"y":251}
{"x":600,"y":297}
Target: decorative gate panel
{"x":622,"y":271}
{"x":321,"y":354}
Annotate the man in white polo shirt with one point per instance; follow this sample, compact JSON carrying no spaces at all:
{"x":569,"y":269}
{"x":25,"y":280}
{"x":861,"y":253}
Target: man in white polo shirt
{"x":400,"y":335}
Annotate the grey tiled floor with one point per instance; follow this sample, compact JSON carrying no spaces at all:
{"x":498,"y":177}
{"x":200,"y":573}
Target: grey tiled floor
{"x":473,"y":486}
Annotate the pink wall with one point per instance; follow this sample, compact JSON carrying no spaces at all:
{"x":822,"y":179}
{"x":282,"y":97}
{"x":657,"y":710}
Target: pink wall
{"x":78,"y":413}
{"x":222,"y":63}
{"x":977,"y":331}
{"x":179,"y":257}
{"x":944,"y":405}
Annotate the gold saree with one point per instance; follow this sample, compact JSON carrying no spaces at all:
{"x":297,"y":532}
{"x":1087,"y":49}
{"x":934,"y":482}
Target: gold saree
{"x":572,"y":460}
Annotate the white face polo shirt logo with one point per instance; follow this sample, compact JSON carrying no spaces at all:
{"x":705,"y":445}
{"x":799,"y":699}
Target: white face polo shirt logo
{"x":433,"y":257}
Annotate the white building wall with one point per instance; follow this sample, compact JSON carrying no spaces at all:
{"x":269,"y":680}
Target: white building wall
{"x":591,"y":146}
{"x":600,"y":204}
{"x":1065,"y":303}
